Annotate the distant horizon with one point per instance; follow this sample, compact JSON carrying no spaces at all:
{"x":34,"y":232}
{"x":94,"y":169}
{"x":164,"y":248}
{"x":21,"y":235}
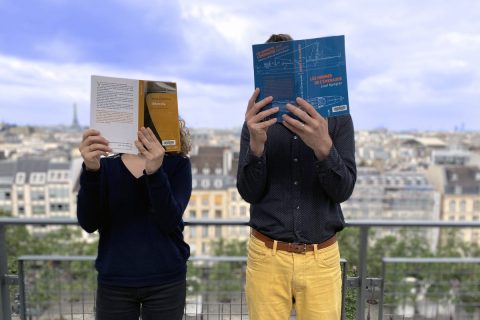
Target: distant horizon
{"x":240,"y":127}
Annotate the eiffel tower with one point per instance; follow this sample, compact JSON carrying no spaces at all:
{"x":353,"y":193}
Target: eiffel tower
{"x":75,"y":124}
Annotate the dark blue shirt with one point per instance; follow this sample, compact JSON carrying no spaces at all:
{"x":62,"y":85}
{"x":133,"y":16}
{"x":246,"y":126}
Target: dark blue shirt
{"x":295,"y":197}
{"x":139,"y":221}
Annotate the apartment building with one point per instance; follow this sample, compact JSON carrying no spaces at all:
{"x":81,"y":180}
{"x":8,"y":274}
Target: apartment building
{"x":460,"y":188}
{"x":214,"y":196}
{"x":394,"y":195}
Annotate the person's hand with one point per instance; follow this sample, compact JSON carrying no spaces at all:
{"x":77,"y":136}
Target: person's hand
{"x":150,"y":149}
{"x":312,"y":129}
{"x":92,"y":147}
{"x":255,"y":124}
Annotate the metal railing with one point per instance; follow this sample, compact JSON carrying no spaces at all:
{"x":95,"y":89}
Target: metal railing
{"x":431,"y":287}
{"x":361,"y":281}
{"x":63,"y":287}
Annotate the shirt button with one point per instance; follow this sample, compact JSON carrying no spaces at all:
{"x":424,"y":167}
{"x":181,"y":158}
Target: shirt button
{"x":298,"y":208}
{"x":295,"y":137}
{"x":295,"y":182}
{"x":295,"y":159}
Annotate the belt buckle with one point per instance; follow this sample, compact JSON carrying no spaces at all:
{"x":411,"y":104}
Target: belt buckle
{"x":298,"y":247}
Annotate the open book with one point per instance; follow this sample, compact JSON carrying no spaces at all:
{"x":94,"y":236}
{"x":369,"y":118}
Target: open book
{"x":119,"y":107}
{"x":313,"y":69}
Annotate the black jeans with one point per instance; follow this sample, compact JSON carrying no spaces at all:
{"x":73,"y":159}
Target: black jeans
{"x":157,"y":302}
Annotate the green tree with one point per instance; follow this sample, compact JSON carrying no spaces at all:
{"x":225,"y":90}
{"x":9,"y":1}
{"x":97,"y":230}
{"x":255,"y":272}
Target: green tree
{"x":228,"y":277}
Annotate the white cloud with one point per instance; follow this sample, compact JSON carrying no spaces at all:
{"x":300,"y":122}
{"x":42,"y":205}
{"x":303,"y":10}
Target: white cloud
{"x":405,"y":60}
{"x":44,"y":93}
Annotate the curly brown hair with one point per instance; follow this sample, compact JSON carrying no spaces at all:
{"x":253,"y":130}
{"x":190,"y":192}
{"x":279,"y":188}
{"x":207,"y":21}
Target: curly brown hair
{"x":185,"y":141}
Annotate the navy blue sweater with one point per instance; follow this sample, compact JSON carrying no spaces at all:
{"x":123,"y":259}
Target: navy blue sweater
{"x":139,"y":221}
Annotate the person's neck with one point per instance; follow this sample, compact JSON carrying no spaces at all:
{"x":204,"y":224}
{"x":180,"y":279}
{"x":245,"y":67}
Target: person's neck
{"x":134,"y":163}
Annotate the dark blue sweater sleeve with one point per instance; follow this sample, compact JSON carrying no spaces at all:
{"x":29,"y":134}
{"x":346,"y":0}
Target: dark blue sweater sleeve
{"x":169,"y":194}
{"x":89,"y":200}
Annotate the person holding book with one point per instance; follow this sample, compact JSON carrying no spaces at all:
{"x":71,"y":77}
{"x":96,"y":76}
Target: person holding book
{"x":136,"y":202}
{"x":294,"y":174}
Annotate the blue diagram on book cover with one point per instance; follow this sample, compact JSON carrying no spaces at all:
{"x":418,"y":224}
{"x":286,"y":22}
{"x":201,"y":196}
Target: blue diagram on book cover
{"x":313,"y":69}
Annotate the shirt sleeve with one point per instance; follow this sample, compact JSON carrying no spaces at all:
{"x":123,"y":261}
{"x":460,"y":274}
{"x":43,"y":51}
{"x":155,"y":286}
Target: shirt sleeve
{"x":337,"y":172}
{"x":252,"y":171}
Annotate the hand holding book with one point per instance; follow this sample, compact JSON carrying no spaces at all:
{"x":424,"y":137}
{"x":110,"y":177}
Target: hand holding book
{"x":311,"y":127}
{"x":257,"y":126}
{"x":150,"y":149}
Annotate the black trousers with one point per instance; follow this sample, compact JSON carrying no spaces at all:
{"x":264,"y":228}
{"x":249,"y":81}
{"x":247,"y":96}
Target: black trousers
{"x":156,"y":302}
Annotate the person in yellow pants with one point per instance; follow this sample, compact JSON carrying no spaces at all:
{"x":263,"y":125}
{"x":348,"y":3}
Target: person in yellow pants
{"x":294,"y":173}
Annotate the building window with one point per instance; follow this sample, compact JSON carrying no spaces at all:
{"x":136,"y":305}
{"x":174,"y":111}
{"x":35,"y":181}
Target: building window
{"x":204,"y":214}
{"x":233,"y":196}
{"x":56,"y":192}
{"x":218,"y":231}
{"x":205,"y":201}
{"x":193,"y":232}
{"x":20,"y":179}
{"x":458,"y":190}
{"x":205,"y":183}
{"x":452,"y":206}
{"x":21,"y":210}
{"x":38,"y":209}
{"x":243,"y":211}
{"x":218,"y":183}
{"x":204,"y":231}
{"x":218,"y":214}
{"x":5,"y":195}
{"x":462,"y":206}
{"x":59,"y":207}
{"x":476,"y":205}
{"x":218,"y":200}
{"x":5,"y":208}
{"x":37,"y":194}
{"x":192,"y":214}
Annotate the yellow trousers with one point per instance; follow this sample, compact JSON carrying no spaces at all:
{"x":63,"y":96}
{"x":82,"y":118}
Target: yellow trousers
{"x":278,"y":281}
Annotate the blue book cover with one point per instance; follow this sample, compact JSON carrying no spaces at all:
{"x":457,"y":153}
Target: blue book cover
{"x":313,"y":69}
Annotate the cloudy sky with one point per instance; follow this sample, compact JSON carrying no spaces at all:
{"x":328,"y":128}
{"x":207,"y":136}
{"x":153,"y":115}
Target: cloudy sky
{"x":411,"y":64}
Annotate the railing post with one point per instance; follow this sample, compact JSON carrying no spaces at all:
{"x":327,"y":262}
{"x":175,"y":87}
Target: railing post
{"x":362,"y":272}
{"x":344,"y":287}
{"x":23,"y":297}
{"x":380,"y":303}
{"x":5,"y":307}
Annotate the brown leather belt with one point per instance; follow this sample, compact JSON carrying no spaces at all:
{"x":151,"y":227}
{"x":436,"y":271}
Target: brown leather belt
{"x":292,"y":246}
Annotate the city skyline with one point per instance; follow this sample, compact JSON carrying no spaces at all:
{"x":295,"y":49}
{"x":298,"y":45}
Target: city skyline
{"x":410,"y":65}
